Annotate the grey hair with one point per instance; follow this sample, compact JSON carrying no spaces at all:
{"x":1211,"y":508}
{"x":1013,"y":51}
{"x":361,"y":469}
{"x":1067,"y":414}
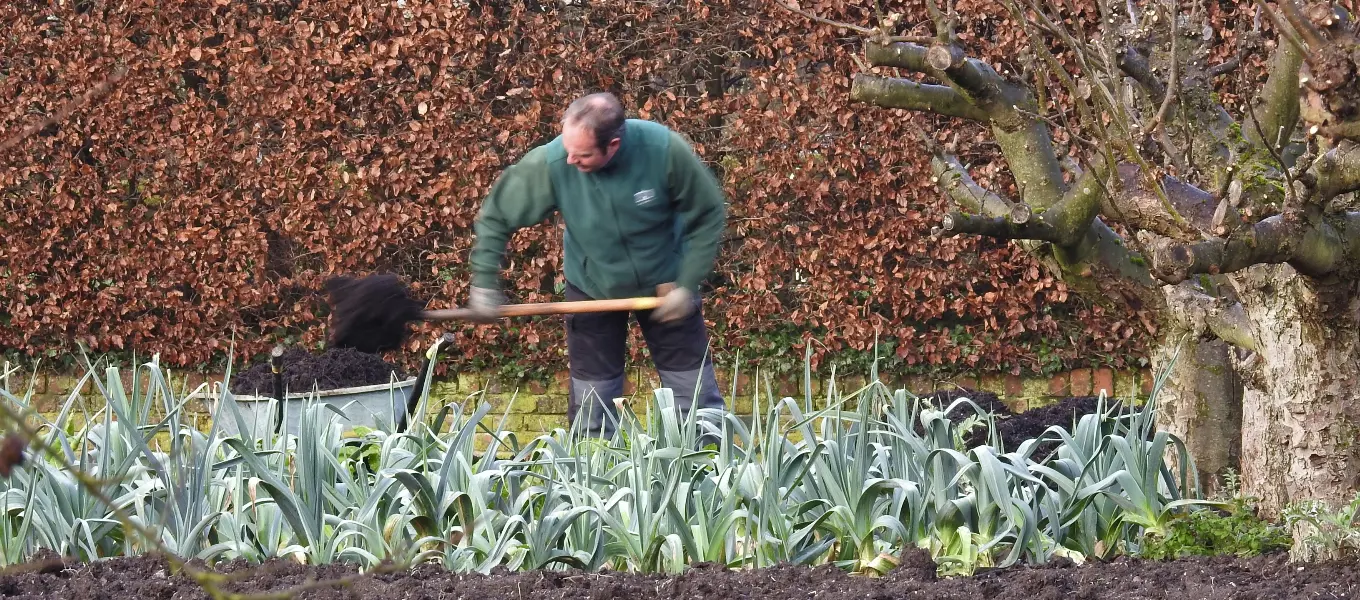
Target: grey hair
{"x":600,"y":112}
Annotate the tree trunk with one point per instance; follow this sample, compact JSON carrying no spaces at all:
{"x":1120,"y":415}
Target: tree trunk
{"x":1300,"y":403}
{"x":1201,"y":403}
{"x":1287,"y":415}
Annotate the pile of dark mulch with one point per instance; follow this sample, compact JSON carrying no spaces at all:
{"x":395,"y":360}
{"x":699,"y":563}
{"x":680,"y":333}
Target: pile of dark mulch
{"x":1014,"y":427}
{"x":372,"y":313}
{"x":333,"y":369}
{"x":1218,"y":578}
{"x":1018,"y":427}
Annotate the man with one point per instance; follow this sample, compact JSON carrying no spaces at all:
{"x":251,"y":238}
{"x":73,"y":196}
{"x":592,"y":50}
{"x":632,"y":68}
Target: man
{"x":643,"y":216}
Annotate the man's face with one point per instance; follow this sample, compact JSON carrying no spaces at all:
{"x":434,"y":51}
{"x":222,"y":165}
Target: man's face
{"x":582,"y":152}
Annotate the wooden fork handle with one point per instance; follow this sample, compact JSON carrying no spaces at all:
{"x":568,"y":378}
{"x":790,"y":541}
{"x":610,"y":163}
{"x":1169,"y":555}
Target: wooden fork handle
{"x":549,"y":308}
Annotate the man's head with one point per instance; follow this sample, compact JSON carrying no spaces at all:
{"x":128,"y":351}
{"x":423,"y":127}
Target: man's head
{"x":592,"y":129}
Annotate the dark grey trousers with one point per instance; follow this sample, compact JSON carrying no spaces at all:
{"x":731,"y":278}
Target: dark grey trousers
{"x":596,"y":346}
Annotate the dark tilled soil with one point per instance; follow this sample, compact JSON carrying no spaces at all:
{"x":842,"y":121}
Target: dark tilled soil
{"x":335,"y":368}
{"x":1269,"y":577}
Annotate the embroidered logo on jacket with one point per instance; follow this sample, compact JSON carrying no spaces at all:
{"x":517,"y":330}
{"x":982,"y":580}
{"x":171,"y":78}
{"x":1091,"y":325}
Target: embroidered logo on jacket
{"x":644,"y":197}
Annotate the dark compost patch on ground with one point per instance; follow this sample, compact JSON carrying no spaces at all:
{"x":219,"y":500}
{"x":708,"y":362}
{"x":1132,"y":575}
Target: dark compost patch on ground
{"x":1263,"y":577}
{"x":1013,"y":427}
{"x":333,"y":369}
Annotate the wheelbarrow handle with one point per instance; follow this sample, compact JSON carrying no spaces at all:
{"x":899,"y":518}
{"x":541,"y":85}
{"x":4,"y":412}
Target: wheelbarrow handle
{"x":550,"y":308}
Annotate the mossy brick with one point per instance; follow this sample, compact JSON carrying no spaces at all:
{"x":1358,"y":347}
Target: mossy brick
{"x":468,"y":382}
{"x":444,"y":391}
{"x":921,"y":385}
{"x":534,"y":424}
{"x":742,"y":404}
{"x":17,"y":383}
{"x":561,"y":383}
{"x":516,"y":403}
{"x":1103,"y":382}
{"x":481,"y":440}
{"x":552,"y":405}
{"x":44,"y":403}
{"x":1041,"y":401}
{"x":896,"y":382}
{"x":745,"y":384}
{"x":723,"y":377}
{"x":1060,"y":385}
{"x":63,"y":385}
{"x":995,"y":384}
{"x":1080,"y":382}
{"x":1126,"y":383}
{"x":1015,"y":387}
{"x":1033,"y":388}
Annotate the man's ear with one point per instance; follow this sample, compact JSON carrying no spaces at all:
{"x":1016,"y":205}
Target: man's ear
{"x":613,"y":145}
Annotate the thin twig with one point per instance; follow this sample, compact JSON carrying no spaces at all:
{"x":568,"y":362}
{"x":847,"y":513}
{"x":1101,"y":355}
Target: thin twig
{"x":1284,"y":29}
{"x":852,"y":27}
{"x":1301,"y":24}
{"x":1173,"y":80}
{"x":1064,"y":125}
{"x":1279,"y":160}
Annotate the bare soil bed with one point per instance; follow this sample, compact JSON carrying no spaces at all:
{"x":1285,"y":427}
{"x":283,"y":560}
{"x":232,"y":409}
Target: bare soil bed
{"x":1264,"y":577}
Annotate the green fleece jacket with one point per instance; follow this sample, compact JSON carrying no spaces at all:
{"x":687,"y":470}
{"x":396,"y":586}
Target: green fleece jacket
{"x":653,"y":215}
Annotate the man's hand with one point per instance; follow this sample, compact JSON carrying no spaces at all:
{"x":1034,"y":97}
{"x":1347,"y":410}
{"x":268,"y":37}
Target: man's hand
{"x":485,"y":304}
{"x":675,"y":305}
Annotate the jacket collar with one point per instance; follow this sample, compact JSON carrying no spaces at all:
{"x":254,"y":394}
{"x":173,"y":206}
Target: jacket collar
{"x":620,"y":157}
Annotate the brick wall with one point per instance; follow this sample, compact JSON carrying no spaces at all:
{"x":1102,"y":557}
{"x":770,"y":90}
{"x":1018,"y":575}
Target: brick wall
{"x":536,"y":407}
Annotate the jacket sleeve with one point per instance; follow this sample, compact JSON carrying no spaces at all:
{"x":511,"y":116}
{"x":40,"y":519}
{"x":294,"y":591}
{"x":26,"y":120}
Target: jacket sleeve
{"x":521,"y":197}
{"x":701,"y":207}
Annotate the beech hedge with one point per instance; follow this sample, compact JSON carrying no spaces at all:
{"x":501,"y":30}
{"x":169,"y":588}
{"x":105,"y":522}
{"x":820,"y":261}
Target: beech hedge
{"x":246,"y":150}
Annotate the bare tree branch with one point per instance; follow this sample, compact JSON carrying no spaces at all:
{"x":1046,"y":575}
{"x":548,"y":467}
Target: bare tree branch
{"x":892,"y":92}
{"x":944,"y":22}
{"x":1275,"y":109}
{"x":1071,"y":216}
{"x":1140,"y":208}
{"x":1225,"y":67}
{"x":953,"y":178}
{"x":956,"y":222}
{"x":1173,"y":80}
{"x":1334,"y":173}
{"x":1305,"y":29}
{"x":1349,"y":130}
{"x":1286,"y":32}
{"x":1135,"y":65}
{"x":1225,"y":319}
{"x":1024,"y":140}
{"x":1315,"y":250}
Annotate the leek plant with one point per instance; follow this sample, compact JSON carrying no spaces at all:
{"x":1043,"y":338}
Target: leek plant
{"x":851,"y":479}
